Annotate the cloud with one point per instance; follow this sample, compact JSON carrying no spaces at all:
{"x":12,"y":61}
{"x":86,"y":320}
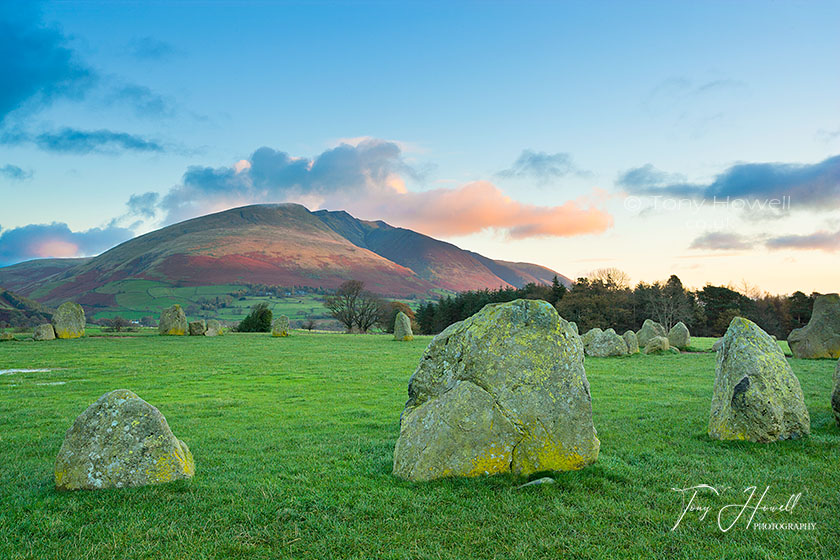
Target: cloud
{"x":36,"y":65}
{"x":822,"y":240}
{"x":143,"y":205}
{"x":542,"y":166}
{"x":149,"y":48}
{"x":808,"y":186}
{"x":369,"y":181}
{"x":14,"y":173}
{"x":75,"y":141}
{"x":722,"y":241}
{"x":143,"y":101}
{"x":57,"y":240}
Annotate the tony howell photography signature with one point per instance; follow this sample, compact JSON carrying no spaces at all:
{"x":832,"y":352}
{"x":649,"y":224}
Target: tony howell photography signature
{"x":698,"y":504}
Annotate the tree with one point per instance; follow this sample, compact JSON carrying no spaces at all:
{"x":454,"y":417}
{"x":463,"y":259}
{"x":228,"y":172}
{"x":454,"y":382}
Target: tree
{"x":558,"y":290}
{"x":354,"y":307}
{"x":611,"y":277}
{"x":389,"y":314}
{"x":309,"y":325}
{"x":116,"y":324}
{"x":258,"y":320}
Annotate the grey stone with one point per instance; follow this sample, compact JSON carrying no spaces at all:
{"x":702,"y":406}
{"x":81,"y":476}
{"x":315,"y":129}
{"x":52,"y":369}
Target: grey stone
{"x":214,"y":328}
{"x":44,"y":332}
{"x":173,"y":322}
{"x":679,"y":337}
{"x":756,"y":396}
{"x":198,"y":328}
{"x":120,"y":441}
{"x":605,"y":344}
{"x":402,"y":327}
{"x":69,"y":320}
{"x":650,"y":329}
{"x":503,"y":391}
{"x":820,"y":338}
{"x":632,"y":342}
{"x":280,"y":326}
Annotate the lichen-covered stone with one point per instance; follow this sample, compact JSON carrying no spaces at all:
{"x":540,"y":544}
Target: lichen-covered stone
{"x":650,"y":329}
{"x":659,"y":345}
{"x":120,"y":441}
{"x":756,"y":395}
{"x":679,"y":337}
{"x":820,"y":338}
{"x":173,"y":321}
{"x":198,"y":328}
{"x":503,"y":391}
{"x":402,"y":327}
{"x":574,"y":327}
{"x":280,"y":326}
{"x":214,"y":328}
{"x":717,"y":345}
{"x":605,"y":344}
{"x":5,"y":337}
{"x":590,"y":335}
{"x":69,"y":320}
{"x":632,"y":342}
{"x":44,"y":332}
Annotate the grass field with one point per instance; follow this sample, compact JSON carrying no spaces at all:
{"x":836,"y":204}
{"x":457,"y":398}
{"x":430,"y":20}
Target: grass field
{"x":293,"y":442}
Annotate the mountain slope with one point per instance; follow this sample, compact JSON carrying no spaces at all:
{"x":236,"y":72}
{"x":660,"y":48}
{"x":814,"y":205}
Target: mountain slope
{"x":18,"y":310}
{"x":282,"y":244}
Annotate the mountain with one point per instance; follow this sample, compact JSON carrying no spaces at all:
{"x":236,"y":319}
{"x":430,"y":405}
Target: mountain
{"x":17,"y":310}
{"x":277,"y":244}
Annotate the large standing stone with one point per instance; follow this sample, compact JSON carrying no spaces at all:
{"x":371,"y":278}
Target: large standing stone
{"x":198,"y":328}
{"x":632,"y":342}
{"x":605,"y":344}
{"x":650,"y":329}
{"x":820,"y":338}
{"x":44,"y":332}
{"x":69,"y":320}
{"x":173,"y":321}
{"x":504,"y":390}
{"x":679,"y":337}
{"x":280,"y":327}
{"x":119,"y":441}
{"x":402,"y":327}
{"x":214,"y":328}
{"x":835,"y":395}
{"x":756,"y":395}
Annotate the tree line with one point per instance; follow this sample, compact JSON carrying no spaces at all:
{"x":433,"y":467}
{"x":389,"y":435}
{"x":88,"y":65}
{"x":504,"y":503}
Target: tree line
{"x":604,"y":299}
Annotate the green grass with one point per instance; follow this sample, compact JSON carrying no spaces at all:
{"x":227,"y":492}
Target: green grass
{"x":293,"y":442}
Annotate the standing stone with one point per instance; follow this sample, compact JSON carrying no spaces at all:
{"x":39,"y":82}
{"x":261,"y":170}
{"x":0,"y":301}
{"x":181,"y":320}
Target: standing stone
{"x":198,"y":328}
{"x":589,"y":336}
{"x":820,"y":338}
{"x":214,"y":328}
{"x":679,"y":337}
{"x":69,"y":320}
{"x":659,"y":345}
{"x":44,"y":332}
{"x":402,"y":327}
{"x":632,"y":342}
{"x":605,"y":344}
{"x":280,"y":327}
{"x":503,"y":391}
{"x":173,"y":321}
{"x":120,"y":441}
{"x":649,"y":330}
{"x":835,"y":395}
{"x":756,"y":395}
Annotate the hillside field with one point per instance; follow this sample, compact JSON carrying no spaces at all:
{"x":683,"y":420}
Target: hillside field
{"x":293,"y":441}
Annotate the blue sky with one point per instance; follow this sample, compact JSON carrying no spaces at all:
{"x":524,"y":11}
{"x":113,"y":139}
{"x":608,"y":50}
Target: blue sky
{"x":551,"y":132}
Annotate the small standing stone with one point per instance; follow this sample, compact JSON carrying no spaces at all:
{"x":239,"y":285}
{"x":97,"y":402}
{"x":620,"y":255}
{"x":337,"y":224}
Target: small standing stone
{"x":69,"y":320}
{"x":44,"y":332}
{"x":632,"y":342}
{"x":679,"y":337}
{"x":120,"y":441}
{"x":214,"y":328}
{"x":402,"y":327}
{"x":198,"y":328}
{"x":280,"y":327}
{"x":173,"y":321}
{"x":650,"y":329}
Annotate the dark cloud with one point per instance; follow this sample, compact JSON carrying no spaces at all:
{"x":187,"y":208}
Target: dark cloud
{"x":143,"y":205}
{"x":722,"y":241}
{"x":14,"y":173}
{"x":806,"y":186}
{"x":71,"y":140}
{"x":542,"y":166}
{"x":57,"y":240}
{"x":149,"y":48}
{"x":36,"y":65}
{"x":822,"y":240}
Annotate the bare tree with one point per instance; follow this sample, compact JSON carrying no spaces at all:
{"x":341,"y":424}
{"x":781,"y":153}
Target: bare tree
{"x":612,"y":277}
{"x":353,"y":306}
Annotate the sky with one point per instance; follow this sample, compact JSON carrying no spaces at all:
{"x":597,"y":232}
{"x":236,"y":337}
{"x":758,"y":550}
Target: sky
{"x":693,"y":138}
